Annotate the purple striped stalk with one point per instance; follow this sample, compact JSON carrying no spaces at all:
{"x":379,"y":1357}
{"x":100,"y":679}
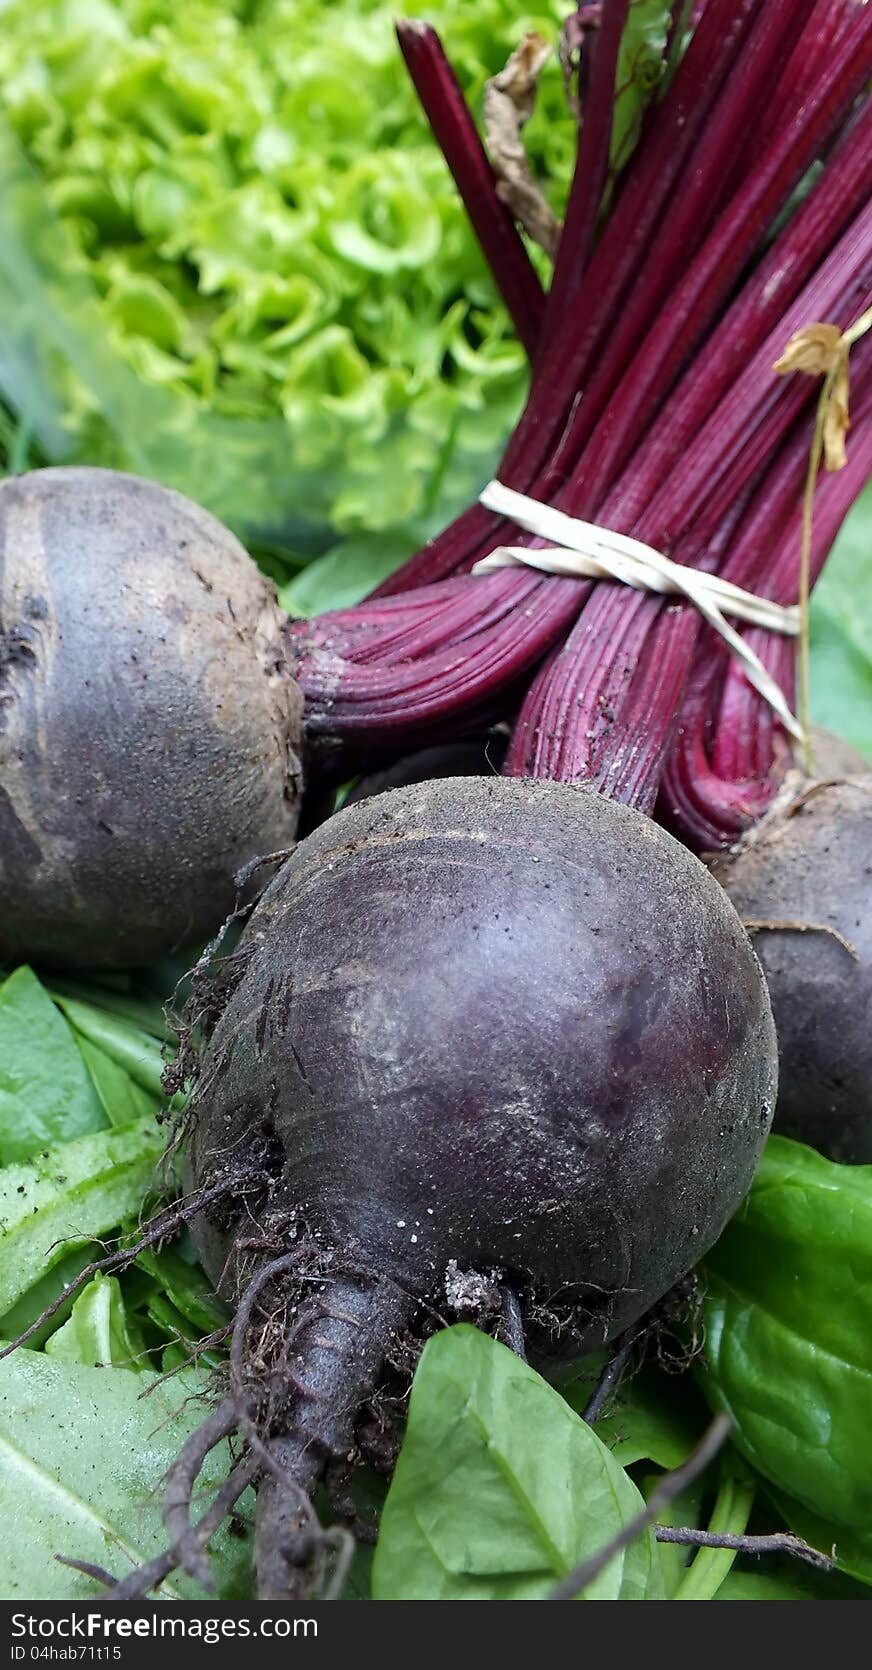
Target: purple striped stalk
{"x":456,"y":134}
{"x":617,"y":263}
{"x":590,"y":173}
{"x":653,"y":409}
{"x":729,"y":753}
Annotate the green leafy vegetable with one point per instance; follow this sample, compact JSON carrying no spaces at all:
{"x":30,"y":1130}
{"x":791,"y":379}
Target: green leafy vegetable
{"x":790,"y":1580}
{"x":640,"y":71}
{"x":788,"y":1353}
{"x":841,"y":682}
{"x":45,"y":1089}
{"x":686,"y":1509}
{"x":123,"y":1100}
{"x":139,"y":1055}
{"x":841,"y":627}
{"x":226,"y":229}
{"x":81,"y":1453}
{"x":658,"y":1418}
{"x":747,"y":1585}
{"x":70,"y":1194}
{"x":708,"y":1570}
{"x":654,"y":1418}
{"x":122,"y":995}
{"x":500,"y":1490}
{"x":186,"y":1287}
{"x":46,"y":1291}
{"x":17,"y":452}
{"x":98,"y":1333}
{"x":347,"y":572}
{"x":851,"y":1547}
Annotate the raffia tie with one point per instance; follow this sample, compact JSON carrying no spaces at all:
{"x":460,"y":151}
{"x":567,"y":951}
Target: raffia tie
{"x":582,"y":550}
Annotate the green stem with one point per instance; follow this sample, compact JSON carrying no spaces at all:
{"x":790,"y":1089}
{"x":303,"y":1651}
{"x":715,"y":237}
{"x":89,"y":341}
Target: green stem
{"x":730,"y":1515}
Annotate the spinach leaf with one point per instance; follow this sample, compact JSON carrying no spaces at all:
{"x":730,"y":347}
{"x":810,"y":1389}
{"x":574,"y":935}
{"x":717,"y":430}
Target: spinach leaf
{"x":850,"y":1547}
{"x":760,"y":1585}
{"x":841,"y":681}
{"x":82,"y":1451}
{"x":46,"y":1092}
{"x":123,"y":1100}
{"x":99,"y":1332}
{"x":125,"y":996}
{"x":70,"y":1194}
{"x":788,"y":1579}
{"x":186,"y":1288}
{"x":640,"y":71}
{"x":348,"y":571}
{"x":500,"y":1489}
{"x":704,"y":1575}
{"x":140,"y":1055}
{"x":654,"y":1417}
{"x":788,"y":1354}
{"x":45,"y":1291}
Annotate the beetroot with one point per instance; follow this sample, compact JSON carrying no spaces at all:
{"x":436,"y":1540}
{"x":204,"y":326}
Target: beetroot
{"x":149,"y":728}
{"x":478,"y":1024}
{"x":499,"y":1036}
{"x":802,"y":877}
{"x":832,"y":756}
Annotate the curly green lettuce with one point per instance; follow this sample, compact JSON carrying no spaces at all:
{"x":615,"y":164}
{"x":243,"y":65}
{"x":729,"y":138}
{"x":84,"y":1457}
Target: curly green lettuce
{"x":251,"y":192}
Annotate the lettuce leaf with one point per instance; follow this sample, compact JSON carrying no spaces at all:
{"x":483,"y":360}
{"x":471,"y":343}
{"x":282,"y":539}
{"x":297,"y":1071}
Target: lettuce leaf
{"x":226,"y":233}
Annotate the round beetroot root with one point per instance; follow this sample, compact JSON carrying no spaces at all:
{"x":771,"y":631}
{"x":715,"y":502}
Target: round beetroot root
{"x":832,"y":756}
{"x":149,"y":729}
{"x":502,"y":1023}
{"x":802,"y":881}
{"x":484,"y":1042}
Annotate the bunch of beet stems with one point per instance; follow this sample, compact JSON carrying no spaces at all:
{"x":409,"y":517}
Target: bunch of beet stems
{"x":744,"y":215}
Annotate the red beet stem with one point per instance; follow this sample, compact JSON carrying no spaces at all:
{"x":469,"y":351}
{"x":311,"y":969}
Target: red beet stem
{"x":591,"y":170}
{"x":619,"y":262}
{"x":457,"y":136}
{"x":617,"y":718}
{"x":729,"y":752}
{"x":501,"y":629}
{"x":614,"y":415}
{"x":678,"y":432}
{"x":589,"y":438}
{"x":824,"y":216}
{"x":798,"y":70}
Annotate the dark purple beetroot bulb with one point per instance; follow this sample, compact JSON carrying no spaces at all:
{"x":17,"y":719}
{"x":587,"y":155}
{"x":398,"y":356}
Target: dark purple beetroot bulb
{"x":481,"y":1025}
{"x":802,"y":879}
{"x":149,"y":728}
{"x":503,"y":1023}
